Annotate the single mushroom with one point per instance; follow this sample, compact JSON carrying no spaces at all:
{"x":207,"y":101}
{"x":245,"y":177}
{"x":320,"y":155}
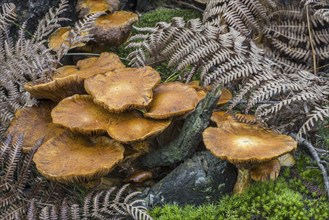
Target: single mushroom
{"x":225,"y":97}
{"x":34,"y":123}
{"x":114,"y":29}
{"x":172,"y":99}
{"x":86,"y":7}
{"x":133,"y":127}
{"x":265,"y":171}
{"x":223,"y":119}
{"x":123,"y":89}
{"x":91,"y":118}
{"x":246,"y":146}
{"x":61,"y":36}
{"x":73,"y":158}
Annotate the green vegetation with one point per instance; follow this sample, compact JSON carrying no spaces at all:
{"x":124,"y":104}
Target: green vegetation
{"x":149,"y":19}
{"x":295,"y":195}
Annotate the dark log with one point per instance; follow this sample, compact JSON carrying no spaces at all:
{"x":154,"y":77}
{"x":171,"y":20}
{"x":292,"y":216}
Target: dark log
{"x":202,"y":179}
{"x":33,"y":10}
{"x":189,"y":138}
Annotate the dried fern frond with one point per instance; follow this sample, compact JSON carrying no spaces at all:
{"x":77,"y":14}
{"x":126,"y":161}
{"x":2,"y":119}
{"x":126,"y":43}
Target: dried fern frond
{"x":191,"y":47}
{"x":105,"y":204}
{"x":50,"y":21}
{"x":242,"y":15}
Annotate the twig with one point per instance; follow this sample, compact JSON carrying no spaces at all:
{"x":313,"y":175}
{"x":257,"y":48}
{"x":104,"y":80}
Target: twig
{"x":316,"y":157}
{"x":311,"y":40}
{"x":188,"y":5}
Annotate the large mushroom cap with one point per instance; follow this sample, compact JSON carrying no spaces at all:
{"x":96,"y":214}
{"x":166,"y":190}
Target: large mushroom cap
{"x":70,"y":158}
{"x":132,"y":126}
{"x":80,"y":114}
{"x":122,"y":89}
{"x":114,"y":29}
{"x":34,"y":123}
{"x":172,"y":99}
{"x":86,"y":7}
{"x":247,"y":144}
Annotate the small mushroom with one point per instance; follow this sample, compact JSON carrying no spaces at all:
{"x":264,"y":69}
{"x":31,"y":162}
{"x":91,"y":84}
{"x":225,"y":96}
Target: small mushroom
{"x":133,"y":127}
{"x":61,"y":36}
{"x":172,"y":99}
{"x":91,"y":118}
{"x":265,"y":171}
{"x":73,"y":158}
{"x":123,"y":89}
{"x":114,"y":29}
{"x":246,"y":146}
{"x":225,"y":97}
{"x":86,"y":7}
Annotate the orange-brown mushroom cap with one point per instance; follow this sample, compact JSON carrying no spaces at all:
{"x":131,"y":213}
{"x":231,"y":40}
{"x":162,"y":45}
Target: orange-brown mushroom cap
{"x":104,"y":63}
{"x":114,"y":29}
{"x":172,"y":99}
{"x":247,"y":144}
{"x":225,"y":97}
{"x":59,"y":37}
{"x":132,"y":127}
{"x":86,"y":7}
{"x":70,"y":158}
{"x":34,"y":123}
{"x":80,"y":114}
{"x":56,"y":89}
{"x":123,"y":89}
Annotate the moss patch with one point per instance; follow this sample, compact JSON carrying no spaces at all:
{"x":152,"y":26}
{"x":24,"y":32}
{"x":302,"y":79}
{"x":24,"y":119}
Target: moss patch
{"x":297,"y":194}
{"x":150,"y":19}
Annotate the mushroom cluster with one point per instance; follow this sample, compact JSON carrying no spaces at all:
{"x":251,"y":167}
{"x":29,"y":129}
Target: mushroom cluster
{"x":255,"y":151}
{"x":86,"y":130}
{"x":110,"y":29}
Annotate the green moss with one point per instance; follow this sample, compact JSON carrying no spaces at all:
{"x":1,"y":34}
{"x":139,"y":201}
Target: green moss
{"x":165,"y":15}
{"x":297,"y":194}
{"x":150,"y":19}
{"x":270,"y":200}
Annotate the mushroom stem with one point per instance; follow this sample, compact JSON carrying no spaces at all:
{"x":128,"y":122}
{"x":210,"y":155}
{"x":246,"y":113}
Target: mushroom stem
{"x":242,"y":181}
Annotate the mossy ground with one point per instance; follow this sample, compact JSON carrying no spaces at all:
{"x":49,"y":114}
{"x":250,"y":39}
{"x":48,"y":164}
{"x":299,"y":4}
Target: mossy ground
{"x":297,"y":194}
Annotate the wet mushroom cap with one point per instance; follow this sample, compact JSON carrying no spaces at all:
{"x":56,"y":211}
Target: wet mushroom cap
{"x":33,"y":123}
{"x":86,"y":7}
{"x":132,"y":127}
{"x":72,"y":158}
{"x":80,"y":114}
{"x":172,"y":99}
{"x":114,"y":29}
{"x":247,"y":144}
{"x":60,"y":37}
{"x":123,"y":89}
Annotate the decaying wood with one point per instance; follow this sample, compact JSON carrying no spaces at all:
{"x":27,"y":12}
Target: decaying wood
{"x":190,"y":136}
